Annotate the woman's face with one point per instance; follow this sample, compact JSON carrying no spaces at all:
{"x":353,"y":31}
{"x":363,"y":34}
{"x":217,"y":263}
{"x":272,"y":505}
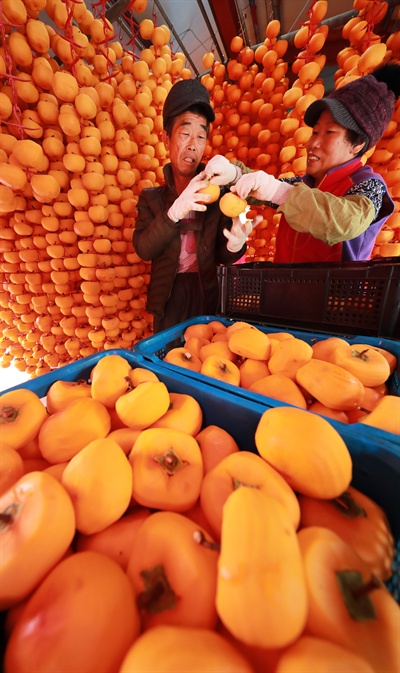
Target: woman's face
{"x":328,"y":147}
{"x":187,"y":143}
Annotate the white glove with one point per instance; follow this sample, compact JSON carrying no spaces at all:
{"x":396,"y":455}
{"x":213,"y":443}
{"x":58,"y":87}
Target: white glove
{"x":240,"y":231}
{"x":262,"y":186}
{"x":187,"y":201}
{"x":220,"y":171}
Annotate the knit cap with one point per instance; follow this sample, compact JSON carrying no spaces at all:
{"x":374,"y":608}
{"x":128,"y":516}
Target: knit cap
{"x":183,"y":95}
{"x":365,"y":105}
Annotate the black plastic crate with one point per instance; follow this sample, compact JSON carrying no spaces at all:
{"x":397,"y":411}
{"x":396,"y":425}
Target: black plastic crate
{"x":348,"y":298}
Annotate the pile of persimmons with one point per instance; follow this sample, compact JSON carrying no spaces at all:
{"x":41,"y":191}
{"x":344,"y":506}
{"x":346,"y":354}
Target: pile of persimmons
{"x":136,"y":539}
{"x":81,"y":136}
{"x":346,"y":382}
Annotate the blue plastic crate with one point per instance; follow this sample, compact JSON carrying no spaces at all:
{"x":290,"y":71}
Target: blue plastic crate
{"x":153,"y":349}
{"x":376,"y":465}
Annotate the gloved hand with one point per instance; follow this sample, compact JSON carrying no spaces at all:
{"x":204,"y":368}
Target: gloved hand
{"x":263,"y":187}
{"x":221,"y":172}
{"x":240,"y":231}
{"x":187,"y":200}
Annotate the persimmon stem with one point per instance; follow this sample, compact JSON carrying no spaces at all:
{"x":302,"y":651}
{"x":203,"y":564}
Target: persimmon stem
{"x":365,"y":589}
{"x":200,"y":538}
{"x":146,"y":598}
{"x":8,"y":414}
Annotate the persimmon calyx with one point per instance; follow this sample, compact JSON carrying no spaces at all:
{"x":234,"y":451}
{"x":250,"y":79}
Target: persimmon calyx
{"x":9,"y":515}
{"x":348,"y":506}
{"x":361,"y":355}
{"x":171,"y":462}
{"x":158,"y":594}
{"x":9,"y":414}
{"x":238,"y":484}
{"x":355,"y":592}
{"x":200,"y":538}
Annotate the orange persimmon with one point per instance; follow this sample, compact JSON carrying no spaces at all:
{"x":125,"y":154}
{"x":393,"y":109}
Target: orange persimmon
{"x":125,"y":437}
{"x":330,"y":384}
{"x":288,"y":356}
{"x":259,"y":583}
{"x":221,"y":369}
{"x":116,"y":540}
{"x":167,"y":469}
{"x":21,"y":416}
{"x":110,"y":379}
{"x":38,"y":525}
{"x":317,"y":654}
{"x":184,"y":413}
{"x":241,"y":469}
{"x":98,"y":480}
{"x":215,"y":444}
{"x":323,"y":349}
{"x":251,"y":371}
{"x":181,"y":649}
{"x":364,"y":362}
{"x":336,"y":414}
{"x":66,"y":432}
{"x":48,"y":633}
{"x":182,"y":357}
{"x":280,"y":387}
{"x":347,"y":605}
{"x":11,"y":467}
{"x":61,"y":393}
{"x":385,"y":415}
{"x":306,"y":450}
{"x":359,"y":521}
{"x":250,"y":342}
{"x":165,"y":593}
{"x":144,"y":405}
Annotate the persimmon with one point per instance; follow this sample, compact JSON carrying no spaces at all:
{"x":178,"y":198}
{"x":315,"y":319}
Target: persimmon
{"x":198,"y":329}
{"x":218,"y":348}
{"x":347,"y":605}
{"x":306,"y":450}
{"x":252,"y":370}
{"x":323,"y":348}
{"x":336,"y":414}
{"x":221,"y":369}
{"x":232,"y":205}
{"x":250,"y":343}
{"x":89,"y":419}
{"x":21,"y":416}
{"x":243,"y":469}
{"x":289,"y":356}
{"x":110,"y":379}
{"x":280,"y":387}
{"x":359,"y":521}
{"x":99,"y":481}
{"x":182,"y":357}
{"x":330,"y":384}
{"x":362,"y":360}
{"x":259,"y":582}
{"x":212,"y":190}
{"x":215,"y":444}
{"x":11,"y":467}
{"x":184,"y":413}
{"x":61,"y":393}
{"x":167,"y":469}
{"x":37,"y":526}
{"x":194,"y":345}
{"x":117,"y":539}
{"x":48,"y":633}
{"x":385,"y":415}
{"x":164,"y":593}
{"x":315,"y":655}
{"x":141,"y":407}
{"x":140,"y":374}
{"x":125,"y":437}
{"x":179,"y":649}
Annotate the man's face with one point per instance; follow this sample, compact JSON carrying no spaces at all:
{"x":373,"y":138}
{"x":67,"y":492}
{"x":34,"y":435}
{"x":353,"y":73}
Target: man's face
{"x":187,"y":143}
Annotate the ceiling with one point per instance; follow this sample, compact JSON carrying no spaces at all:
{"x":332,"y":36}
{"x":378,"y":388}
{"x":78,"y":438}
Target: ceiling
{"x":200,"y":26}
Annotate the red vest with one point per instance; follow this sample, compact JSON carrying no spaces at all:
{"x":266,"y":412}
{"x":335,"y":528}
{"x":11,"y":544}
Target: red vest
{"x":294,"y":246}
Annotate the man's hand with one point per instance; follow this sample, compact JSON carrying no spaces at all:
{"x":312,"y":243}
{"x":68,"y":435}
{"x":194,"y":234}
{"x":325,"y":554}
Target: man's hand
{"x":240,"y":231}
{"x":221,"y":172}
{"x":189,"y":199}
{"x":262,"y":186}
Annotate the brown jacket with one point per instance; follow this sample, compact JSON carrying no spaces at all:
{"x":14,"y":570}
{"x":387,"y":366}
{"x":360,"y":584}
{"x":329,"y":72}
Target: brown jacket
{"x":157,"y":238}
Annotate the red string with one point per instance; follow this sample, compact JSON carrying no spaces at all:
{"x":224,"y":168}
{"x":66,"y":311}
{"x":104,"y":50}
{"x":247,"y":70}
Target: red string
{"x":9,"y":68}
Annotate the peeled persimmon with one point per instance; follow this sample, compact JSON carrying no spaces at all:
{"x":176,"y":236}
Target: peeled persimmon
{"x":215,"y":444}
{"x":180,"y":649}
{"x":110,"y":379}
{"x":232,"y":205}
{"x":212,"y":190}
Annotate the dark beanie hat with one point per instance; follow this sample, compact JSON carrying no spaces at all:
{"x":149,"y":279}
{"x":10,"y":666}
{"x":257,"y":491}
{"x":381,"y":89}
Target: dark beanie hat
{"x":365,"y":105}
{"x":185,"y":94}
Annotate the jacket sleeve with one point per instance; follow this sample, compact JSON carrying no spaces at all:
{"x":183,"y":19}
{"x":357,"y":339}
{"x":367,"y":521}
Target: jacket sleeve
{"x":154,"y":230}
{"x":331,"y":219}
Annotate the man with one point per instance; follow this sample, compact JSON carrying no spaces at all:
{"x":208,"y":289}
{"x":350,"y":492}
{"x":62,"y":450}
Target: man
{"x":183,"y":234}
{"x":335,"y":211}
